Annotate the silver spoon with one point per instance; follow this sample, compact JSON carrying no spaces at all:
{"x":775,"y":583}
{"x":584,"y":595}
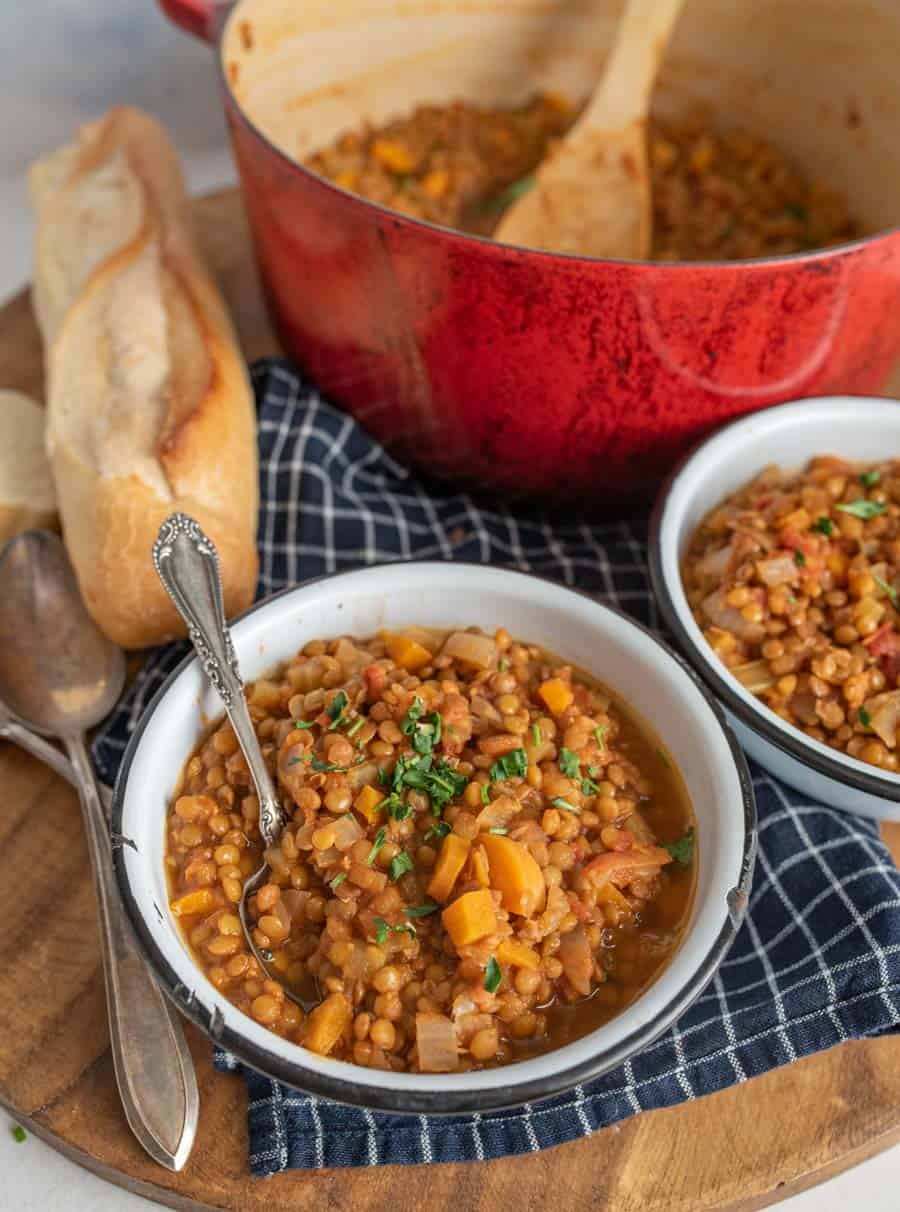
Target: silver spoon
{"x":187,"y":563}
{"x":60,"y":675}
{"x":17,"y":734}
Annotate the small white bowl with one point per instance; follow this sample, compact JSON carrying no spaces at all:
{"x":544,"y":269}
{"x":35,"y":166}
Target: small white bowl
{"x":657,"y":685}
{"x":854,"y":427}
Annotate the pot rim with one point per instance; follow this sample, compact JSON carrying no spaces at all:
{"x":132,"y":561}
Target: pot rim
{"x":860,"y":776}
{"x":446,"y":1100}
{"x":496,"y":247}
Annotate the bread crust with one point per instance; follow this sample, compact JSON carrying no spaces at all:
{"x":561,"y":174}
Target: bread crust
{"x":150,"y":408}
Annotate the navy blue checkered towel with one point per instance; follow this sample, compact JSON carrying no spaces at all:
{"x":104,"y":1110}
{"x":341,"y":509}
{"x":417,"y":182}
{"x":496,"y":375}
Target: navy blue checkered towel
{"x":818,"y":958}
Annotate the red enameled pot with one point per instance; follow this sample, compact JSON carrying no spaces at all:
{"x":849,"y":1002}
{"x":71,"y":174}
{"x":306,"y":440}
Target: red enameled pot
{"x":559,"y":378}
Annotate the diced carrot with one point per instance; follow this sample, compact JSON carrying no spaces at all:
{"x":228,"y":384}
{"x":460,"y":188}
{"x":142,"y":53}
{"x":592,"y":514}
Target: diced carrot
{"x":326,"y":1023}
{"x":514,"y":874}
{"x":557,"y":694}
{"x":450,"y":861}
{"x":201,"y":900}
{"x":368,"y":803}
{"x":517,"y":954}
{"x":407,"y":652}
{"x":393,"y":156}
{"x":436,"y":183}
{"x":470,"y":917}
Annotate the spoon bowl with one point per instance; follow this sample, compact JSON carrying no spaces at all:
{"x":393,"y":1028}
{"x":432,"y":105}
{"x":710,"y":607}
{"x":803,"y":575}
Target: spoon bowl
{"x":58,"y":671}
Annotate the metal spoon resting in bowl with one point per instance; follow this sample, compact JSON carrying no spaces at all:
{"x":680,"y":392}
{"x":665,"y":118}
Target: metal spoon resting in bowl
{"x":187,"y":563}
{"x":60,"y":675}
{"x":592,"y":196}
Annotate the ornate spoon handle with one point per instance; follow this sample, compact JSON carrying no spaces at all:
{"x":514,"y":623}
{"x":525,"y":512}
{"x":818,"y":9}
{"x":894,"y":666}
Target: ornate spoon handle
{"x":187,"y":563}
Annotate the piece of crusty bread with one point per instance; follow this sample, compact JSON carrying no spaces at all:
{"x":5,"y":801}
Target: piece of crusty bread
{"x":27,"y":496}
{"x":149,"y":403}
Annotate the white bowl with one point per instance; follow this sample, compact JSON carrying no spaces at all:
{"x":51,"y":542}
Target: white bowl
{"x":657,"y":684}
{"x":853,"y":427}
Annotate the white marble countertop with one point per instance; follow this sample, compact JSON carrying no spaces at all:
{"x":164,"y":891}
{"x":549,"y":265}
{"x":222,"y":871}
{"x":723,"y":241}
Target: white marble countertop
{"x":65,"y":61}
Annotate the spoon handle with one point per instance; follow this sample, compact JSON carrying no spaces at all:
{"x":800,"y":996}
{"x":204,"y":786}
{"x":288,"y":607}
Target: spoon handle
{"x":154,"y":1070}
{"x":18,"y":734}
{"x":187,"y":563}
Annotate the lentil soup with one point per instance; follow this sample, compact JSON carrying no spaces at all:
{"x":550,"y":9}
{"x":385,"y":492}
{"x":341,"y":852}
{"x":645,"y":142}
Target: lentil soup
{"x":794,"y":582}
{"x":487,"y":856}
{"x":717,"y":195}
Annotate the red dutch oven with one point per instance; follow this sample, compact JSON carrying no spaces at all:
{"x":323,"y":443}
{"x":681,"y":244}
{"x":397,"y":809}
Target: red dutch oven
{"x":547,"y":376}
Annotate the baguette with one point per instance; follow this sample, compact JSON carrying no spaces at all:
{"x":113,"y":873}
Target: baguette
{"x":149,"y":403}
{"x":27,"y":496}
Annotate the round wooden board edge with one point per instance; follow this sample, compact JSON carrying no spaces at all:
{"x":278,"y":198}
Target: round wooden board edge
{"x":223,"y":235}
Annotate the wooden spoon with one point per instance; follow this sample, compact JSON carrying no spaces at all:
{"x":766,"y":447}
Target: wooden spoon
{"x":592,"y":195}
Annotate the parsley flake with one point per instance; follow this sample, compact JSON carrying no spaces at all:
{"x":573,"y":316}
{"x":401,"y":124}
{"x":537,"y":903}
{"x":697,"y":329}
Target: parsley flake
{"x":376,"y":846}
{"x":888,"y":589}
{"x":499,"y":830}
{"x":682,"y":850}
{"x":800,"y":559}
{"x":19,"y":1134}
{"x":382,"y":930}
{"x":325,"y":767}
{"x":569,"y":764}
{"x":355,"y":726}
{"x":864,"y":718}
{"x":600,"y":738}
{"x":438,"y":830}
{"x":423,"y":910}
{"x":485,"y":793}
{"x":304,"y":723}
{"x":559,"y":802}
{"x":337,"y":706}
{"x":400,"y":864}
{"x":824,"y":526}
{"x":414,"y":713}
{"x":337,"y":881}
{"x":397,"y":809}
{"x":864,"y":509}
{"x":536,"y":734}
{"x":502,"y":666}
{"x":589,"y":787}
{"x":511,"y":765}
{"x":492,"y":976}
{"x":870,"y":478}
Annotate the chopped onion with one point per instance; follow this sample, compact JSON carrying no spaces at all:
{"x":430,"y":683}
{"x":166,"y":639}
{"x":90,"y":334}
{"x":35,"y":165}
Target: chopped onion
{"x":436,"y":1043}
{"x":778,"y":569}
{"x":755,"y":675}
{"x":575,"y":956}
{"x":478,"y":650}
{"x":498,"y":813}
{"x":347,"y":830}
{"x":884,"y":713}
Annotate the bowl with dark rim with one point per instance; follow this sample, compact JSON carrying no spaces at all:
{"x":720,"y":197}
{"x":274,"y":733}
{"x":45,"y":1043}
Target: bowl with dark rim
{"x":658,"y":687}
{"x":854,"y":427}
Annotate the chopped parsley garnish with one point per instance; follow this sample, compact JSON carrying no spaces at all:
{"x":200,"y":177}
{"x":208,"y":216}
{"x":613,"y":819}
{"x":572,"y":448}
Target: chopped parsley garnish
{"x":800,"y":559}
{"x":337,"y":707}
{"x":423,"y":910}
{"x":412,"y":717}
{"x":304,"y":723}
{"x":501,"y":666}
{"x":376,"y":846}
{"x":824,"y":526}
{"x":405,"y":928}
{"x":485,"y":793}
{"x":682,"y":851}
{"x":600,"y":738}
{"x":536,"y":734}
{"x":397,"y":809}
{"x":501,"y":200}
{"x":499,"y":830}
{"x":295,"y":761}
{"x":19,"y":1134}
{"x":326,"y":767}
{"x":864,"y":718}
{"x":589,"y":787}
{"x":438,"y":830}
{"x":400,"y":864}
{"x":337,"y":881}
{"x":355,"y":726}
{"x":559,"y":802}
{"x":382,"y":930}
{"x":870,"y":478}
{"x":510,"y":765}
{"x":664,"y":758}
{"x":864,"y":509}
{"x":569,"y":764}
{"x":492,"y":976}
{"x":439,"y":779}
{"x":427,"y":734}
{"x":888,"y":589}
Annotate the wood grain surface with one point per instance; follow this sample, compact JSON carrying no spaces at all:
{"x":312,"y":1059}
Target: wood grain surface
{"x":742,"y":1149}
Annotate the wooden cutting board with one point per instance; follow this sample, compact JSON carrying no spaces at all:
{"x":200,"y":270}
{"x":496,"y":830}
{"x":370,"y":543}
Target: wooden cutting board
{"x":742,"y":1149}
